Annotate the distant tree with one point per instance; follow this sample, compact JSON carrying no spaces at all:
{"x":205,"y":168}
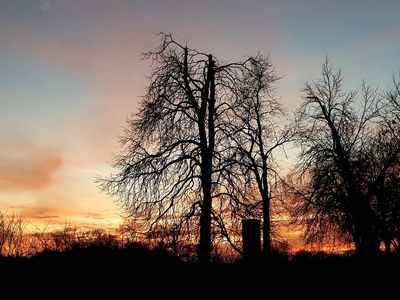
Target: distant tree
{"x":335,"y":190}
{"x":130,"y":231}
{"x":172,"y":158}
{"x":39,"y":240}
{"x":12,"y":234}
{"x":258,"y":131}
{"x":67,"y":238}
{"x":101,"y":239}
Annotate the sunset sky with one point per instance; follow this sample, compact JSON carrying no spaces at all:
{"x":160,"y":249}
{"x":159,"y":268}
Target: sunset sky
{"x":71,"y":72}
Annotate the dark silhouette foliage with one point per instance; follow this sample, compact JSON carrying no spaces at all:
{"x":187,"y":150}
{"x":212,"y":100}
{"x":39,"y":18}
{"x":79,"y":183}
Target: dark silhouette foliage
{"x":348,"y":162}
{"x":176,"y":165}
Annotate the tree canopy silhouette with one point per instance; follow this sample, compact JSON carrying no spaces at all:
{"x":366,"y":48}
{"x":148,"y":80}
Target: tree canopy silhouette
{"x":259,"y":128}
{"x":175,"y":149}
{"x":346,"y":153}
{"x":385,"y":148}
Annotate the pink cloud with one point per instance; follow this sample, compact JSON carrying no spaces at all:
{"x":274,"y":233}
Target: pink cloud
{"x":27,"y":167}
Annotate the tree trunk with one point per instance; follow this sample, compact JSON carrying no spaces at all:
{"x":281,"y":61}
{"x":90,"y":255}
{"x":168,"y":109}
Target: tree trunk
{"x":207,"y":151}
{"x":267,"y":247}
{"x":368,"y":243}
{"x":204,"y":251}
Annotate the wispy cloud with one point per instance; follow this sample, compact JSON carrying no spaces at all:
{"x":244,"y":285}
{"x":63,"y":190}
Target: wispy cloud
{"x":26,"y":166}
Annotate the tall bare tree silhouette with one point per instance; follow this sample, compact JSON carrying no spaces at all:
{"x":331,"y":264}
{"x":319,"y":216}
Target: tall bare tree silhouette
{"x":258,"y":129}
{"x":334,"y":130}
{"x":385,"y":161}
{"x":173,"y":150}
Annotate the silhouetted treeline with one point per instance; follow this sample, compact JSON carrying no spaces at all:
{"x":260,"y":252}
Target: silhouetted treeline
{"x":94,"y":263}
{"x":135,"y":270}
{"x":19,"y":238}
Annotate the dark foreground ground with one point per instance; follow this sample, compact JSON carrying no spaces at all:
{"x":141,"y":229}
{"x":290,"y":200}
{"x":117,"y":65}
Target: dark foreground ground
{"x":136,"y":273}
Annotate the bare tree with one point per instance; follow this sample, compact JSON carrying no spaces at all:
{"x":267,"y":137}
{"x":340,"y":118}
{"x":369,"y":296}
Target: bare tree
{"x":385,"y":161}
{"x":39,"y":240}
{"x":334,"y":130}
{"x":12,"y":234}
{"x":169,"y":168}
{"x":258,"y":130}
{"x":67,"y":238}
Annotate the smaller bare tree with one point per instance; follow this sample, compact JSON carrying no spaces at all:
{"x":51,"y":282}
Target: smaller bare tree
{"x":334,"y":129}
{"x":12,"y":234}
{"x":259,"y":128}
